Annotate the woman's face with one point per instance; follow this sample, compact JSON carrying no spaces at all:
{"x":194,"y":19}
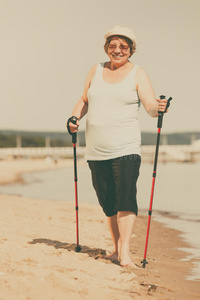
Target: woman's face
{"x":118,"y":51}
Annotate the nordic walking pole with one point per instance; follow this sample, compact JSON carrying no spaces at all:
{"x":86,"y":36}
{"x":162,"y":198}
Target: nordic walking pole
{"x":159,"y":126}
{"x":74,"y":141}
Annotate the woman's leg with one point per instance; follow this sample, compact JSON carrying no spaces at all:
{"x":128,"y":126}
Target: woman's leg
{"x":126,"y":220}
{"x":104,"y":186}
{"x":121,"y":228}
{"x":126,"y":172}
{"x":114,"y":231}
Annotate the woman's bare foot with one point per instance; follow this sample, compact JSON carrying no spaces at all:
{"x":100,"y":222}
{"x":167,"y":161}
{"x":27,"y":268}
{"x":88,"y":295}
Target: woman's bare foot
{"x":127,"y":262}
{"x":112,"y":256}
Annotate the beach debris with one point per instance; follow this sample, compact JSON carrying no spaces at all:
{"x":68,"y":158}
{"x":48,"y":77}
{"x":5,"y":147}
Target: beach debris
{"x":151,"y":287}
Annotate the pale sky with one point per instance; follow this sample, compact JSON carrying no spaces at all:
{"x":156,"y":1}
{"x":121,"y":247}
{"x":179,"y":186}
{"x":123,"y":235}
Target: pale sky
{"x":48,"y":46}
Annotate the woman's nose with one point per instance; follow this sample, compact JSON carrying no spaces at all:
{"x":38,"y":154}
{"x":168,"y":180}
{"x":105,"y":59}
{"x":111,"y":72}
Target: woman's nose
{"x":117,"y":49}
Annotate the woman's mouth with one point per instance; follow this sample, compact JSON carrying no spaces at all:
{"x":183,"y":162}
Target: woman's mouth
{"x":117,"y":56}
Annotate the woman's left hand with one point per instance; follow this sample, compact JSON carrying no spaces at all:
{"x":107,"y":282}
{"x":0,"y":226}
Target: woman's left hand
{"x":162,"y":105}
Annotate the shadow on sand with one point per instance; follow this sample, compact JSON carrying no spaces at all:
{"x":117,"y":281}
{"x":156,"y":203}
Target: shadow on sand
{"x":92,"y":252}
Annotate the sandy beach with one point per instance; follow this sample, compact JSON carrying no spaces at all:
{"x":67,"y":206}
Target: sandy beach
{"x":38,"y":260}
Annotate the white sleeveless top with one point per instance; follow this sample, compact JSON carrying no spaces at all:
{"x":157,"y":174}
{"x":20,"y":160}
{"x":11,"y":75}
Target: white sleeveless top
{"x":112,"y":127}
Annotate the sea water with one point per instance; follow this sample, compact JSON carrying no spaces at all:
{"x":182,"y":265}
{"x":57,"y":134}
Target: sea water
{"x":176,"y":196}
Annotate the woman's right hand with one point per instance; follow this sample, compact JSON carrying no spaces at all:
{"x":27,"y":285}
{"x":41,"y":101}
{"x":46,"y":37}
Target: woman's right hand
{"x":74,"y":127}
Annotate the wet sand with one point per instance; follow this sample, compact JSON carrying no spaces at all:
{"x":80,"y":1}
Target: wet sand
{"x":38,"y":260}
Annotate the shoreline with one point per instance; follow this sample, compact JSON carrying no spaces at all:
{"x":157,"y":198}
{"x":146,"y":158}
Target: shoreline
{"x":37,"y":243}
{"x":12,"y":170}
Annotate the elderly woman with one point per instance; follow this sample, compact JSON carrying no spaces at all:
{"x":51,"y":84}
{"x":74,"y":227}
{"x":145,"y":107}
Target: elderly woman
{"x":111,"y":98}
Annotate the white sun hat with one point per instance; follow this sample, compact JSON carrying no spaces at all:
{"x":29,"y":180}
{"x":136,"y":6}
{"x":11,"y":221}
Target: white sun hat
{"x":124,"y":31}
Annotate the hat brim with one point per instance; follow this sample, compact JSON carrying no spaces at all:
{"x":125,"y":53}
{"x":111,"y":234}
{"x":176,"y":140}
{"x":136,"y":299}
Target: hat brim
{"x":122,"y":35}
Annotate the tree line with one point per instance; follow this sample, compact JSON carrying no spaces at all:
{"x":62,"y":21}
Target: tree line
{"x":10,"y":139}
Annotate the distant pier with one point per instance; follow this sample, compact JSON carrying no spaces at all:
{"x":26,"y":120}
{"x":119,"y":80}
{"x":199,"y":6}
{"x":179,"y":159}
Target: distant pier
{"x":167,"y":153}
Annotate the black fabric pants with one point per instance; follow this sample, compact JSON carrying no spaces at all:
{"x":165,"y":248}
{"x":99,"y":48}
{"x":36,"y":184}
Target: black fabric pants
{"x":114,"y":181}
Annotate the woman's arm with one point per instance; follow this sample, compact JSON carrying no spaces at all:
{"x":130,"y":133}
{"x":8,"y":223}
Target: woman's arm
{"x":80,"y":109}
{"x":147,"y":95}
{"x":81,"y":106}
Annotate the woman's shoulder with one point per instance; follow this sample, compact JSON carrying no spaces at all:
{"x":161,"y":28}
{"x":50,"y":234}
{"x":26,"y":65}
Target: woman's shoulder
{"x":92,"y":72}
{"x":141,"y":73}
{"x":94,"y":68}
{"x":142,"y":78}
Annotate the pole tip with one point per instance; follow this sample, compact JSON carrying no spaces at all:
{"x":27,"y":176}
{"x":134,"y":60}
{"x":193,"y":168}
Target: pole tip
{"x":144,"y":262}
{"x":77,"y":249}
